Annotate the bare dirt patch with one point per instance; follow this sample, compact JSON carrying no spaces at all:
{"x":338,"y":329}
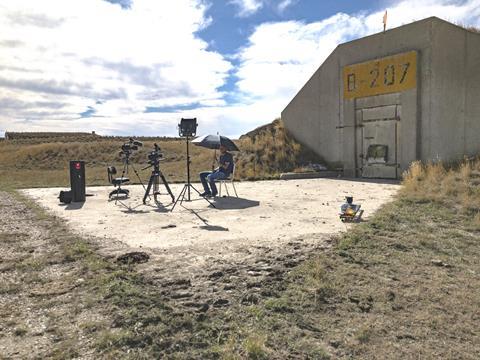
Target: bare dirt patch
{"x":267,"y":213}
{"x":205,"y":263}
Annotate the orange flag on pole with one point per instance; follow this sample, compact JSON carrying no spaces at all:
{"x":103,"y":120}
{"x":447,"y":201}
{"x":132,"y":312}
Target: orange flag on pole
{"x":385,"y":21}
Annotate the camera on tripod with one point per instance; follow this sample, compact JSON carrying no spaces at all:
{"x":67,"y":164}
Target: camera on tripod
{"x":130,"y":146}
{"x":155,"y":155}
{"x":156,"y":176}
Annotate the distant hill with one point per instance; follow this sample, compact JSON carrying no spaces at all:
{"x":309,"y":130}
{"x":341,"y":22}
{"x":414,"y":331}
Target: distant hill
{"x":49,"y":137}
{"x":10,"y":135}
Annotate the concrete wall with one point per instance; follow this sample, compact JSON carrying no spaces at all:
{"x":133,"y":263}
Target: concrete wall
{"x":454,"y":127}
{"x":440,"y":117}
{"x":313,"y":114}
{"x":472,"y":95}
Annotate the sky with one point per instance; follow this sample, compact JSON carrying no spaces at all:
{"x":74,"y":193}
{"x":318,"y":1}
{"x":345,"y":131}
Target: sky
{"x":135,"y":67}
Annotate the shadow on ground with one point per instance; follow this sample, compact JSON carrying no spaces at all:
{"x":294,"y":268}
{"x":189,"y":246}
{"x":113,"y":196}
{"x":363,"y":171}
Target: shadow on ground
{"x":72,"y":206}
{"x":230,"y":203}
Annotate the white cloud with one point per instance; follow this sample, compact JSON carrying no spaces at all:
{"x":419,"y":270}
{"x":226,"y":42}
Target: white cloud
{"x":250,"y":7}
{"x":285,"y":4}
{"x":60,"y":56}
{"x":247,"y":7}
{"x":281,"y":56}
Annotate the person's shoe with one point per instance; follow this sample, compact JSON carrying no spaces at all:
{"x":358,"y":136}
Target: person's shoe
{"x":205,"y":194}
{"x":213,"y":195}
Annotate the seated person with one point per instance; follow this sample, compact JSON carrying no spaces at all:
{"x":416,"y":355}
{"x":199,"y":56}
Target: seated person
{"x":222,"y":172}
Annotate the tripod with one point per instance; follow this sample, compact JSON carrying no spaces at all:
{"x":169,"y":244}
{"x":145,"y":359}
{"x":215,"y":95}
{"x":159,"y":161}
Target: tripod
{"x":154,"y":181}
{"x":188,"y":185}
{"x":126,"y":164}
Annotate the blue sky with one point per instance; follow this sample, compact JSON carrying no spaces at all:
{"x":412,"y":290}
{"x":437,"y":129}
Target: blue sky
{"x":135,"y":67}
{"x":229,"y":31}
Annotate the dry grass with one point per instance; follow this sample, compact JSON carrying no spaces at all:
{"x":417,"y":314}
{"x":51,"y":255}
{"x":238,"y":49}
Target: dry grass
{"x":455,"y":185}
{"x":44,"y":162}
{"x":270,"y":151}
{"x":473,"y":29}
{"x":402,"y":285}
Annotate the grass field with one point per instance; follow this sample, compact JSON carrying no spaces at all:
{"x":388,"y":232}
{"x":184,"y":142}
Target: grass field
{"x":403,"y":285}
{"x":44,"y":162}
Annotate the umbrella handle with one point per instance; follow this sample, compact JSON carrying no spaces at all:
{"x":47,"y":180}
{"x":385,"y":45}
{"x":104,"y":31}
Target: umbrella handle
{"x":214,"y":159}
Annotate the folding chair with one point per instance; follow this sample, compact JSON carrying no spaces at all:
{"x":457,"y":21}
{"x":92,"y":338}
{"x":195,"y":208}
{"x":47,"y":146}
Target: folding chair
{"x":230,"y":179}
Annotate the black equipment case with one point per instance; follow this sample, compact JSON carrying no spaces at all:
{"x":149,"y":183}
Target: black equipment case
{"x":77,"y":180}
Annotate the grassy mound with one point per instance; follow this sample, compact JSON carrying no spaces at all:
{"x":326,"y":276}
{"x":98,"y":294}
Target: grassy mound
{"x":270,"y":150}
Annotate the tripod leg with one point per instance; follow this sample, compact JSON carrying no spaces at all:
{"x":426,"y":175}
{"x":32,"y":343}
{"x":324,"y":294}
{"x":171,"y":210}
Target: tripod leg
{"x":167,"y":187}
{"x":198,"y":192}
{"x":138,"y":176}
{"x":180,"y":196}
{"x":155,"y":187}
{"x":147,"y":192}
{"x":185,"y":188}
{"x":183,"y":196}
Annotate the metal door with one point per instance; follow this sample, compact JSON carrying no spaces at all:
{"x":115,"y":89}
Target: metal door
{"x":380,"y":148}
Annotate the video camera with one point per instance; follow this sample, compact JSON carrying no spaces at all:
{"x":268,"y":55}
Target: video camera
{"x":155,"y":155}
{"x":130,"y":146}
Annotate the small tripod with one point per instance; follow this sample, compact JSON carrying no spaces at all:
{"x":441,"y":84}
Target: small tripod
{"x":188,"y":185}
{"x":156,"y":176}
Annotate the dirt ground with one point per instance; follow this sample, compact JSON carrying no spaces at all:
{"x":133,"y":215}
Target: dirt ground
{"x":387,"y":289}
{"x":266,"y":213}
{"x":42,"y":303}
{"x":213,"y":258}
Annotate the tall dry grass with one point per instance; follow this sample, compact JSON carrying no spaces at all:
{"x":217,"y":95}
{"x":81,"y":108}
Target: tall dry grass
{"x":455,"y":185}
{"x":271,"y":150}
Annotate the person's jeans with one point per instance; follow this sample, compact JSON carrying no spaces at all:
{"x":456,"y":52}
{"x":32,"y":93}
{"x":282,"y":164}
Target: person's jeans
{"x":210,"y":177}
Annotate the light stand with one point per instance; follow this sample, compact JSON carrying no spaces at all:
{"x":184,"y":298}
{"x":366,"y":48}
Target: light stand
{"x":188,"y":128}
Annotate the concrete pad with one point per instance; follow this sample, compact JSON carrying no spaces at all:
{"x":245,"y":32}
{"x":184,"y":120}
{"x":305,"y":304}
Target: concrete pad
{"x":267,"y":212}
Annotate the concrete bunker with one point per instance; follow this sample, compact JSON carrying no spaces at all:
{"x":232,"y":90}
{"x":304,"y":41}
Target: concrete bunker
{"x":380,"y":102}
